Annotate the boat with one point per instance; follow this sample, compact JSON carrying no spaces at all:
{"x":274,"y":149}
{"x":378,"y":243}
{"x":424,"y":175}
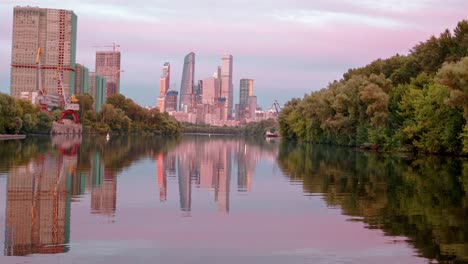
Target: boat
{"x":269,"y":134}
{"x":107,"y":137}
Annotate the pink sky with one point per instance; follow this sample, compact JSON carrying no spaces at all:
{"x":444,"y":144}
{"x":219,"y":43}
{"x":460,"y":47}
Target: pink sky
{"x":288,"y":47}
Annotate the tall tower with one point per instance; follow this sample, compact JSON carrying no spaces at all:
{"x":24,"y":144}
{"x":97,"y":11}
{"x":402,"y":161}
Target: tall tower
{"x":108,"y":66}
{"x":164,"y":82}
{"x":48,"y":35}
{"x":186,"y":87}
{"x":226,"y":85}
{"x":245,"y":91}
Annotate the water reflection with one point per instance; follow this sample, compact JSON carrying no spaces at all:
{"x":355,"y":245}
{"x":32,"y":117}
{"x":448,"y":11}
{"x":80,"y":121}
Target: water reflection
{"x":38,"y":201}
{"x":51,"y":173}
{"x":422,"y":198}
{"x":207,"y":163}
{"x":417,"y":200}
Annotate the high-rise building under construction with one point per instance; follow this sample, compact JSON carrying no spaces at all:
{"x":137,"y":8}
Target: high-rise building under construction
{"x":108,"y":66}
{"x":43,"y":46}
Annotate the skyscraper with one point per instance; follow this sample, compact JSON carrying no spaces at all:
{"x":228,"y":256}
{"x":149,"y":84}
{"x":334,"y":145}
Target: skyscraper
{"x":44,"y":42}
{"x":164,"y":82}
{"x":108,"y":66}
{"x":186,"y":87}
{"x":245,"y":91}
{"x":210,"y":93}
{"x":227,"y":86}
{"x":171,"y":101}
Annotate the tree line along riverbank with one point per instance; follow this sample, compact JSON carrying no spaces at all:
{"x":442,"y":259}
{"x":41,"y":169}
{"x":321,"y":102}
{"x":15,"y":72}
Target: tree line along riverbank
{"x":416,"y":102}
{"x":119,"y":115}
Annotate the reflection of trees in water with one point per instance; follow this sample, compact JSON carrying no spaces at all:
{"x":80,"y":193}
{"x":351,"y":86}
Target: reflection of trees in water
{"x":422,"y":198}
{"x":20,"y":152}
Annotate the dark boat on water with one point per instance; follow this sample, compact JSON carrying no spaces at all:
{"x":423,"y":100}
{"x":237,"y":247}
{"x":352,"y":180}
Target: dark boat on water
{"x":269,"y":134}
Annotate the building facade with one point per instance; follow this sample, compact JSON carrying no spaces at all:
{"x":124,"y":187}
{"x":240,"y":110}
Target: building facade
{"x":252,"y":107}
{"x":246,"y":89}
{"x":108,"y":66}
{"x":171,"y":101}
{"x":44,"y":44}
{"x":227,"y":86}
{"x":186,"y":87}
{"x":164,"y":82}
{"x":210,"y":92}
{"x":97,"y":89}
{"x":81,"y":79}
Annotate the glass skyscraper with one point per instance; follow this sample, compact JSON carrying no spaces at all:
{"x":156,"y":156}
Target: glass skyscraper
{"x":227,"y":86}
{"x":186,"y":87}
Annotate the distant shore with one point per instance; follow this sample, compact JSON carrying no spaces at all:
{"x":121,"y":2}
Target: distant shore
{"x":9,"y":137}
{"x":209,"y":134}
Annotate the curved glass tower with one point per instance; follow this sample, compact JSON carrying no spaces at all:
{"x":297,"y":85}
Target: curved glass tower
{"x":186,"y":87}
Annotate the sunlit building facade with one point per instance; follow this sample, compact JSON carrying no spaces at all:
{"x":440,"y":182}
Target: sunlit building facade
{"x":164,"y":82}
{"x":210,"y":91}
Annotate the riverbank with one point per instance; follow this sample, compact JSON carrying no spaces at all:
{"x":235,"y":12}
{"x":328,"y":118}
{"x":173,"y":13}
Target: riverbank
{"x":11,"y":137}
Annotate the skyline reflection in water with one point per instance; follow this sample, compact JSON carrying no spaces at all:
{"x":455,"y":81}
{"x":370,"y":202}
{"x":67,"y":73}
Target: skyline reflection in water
{"x":40,"y":190}
{"x":199,"y":197}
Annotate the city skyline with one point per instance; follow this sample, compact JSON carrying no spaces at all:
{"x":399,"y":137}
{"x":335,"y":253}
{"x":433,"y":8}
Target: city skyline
{"x":298,"y":48}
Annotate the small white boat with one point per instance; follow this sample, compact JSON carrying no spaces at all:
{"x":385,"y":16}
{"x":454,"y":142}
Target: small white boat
{"x":107,"y":137}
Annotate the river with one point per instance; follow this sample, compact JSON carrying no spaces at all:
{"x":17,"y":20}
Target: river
{"x":212,"y":199}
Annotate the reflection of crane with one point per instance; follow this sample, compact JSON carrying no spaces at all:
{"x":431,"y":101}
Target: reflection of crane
{"x":114,"y":46}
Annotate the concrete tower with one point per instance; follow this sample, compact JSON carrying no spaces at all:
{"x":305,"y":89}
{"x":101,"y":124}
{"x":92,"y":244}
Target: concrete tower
{"x":44,"y":40}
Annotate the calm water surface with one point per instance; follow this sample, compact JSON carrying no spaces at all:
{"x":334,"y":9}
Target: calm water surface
{"x":226,"y":200}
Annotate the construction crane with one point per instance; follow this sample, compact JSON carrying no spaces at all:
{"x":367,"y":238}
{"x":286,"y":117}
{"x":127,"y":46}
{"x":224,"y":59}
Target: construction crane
{"x":44,"y":100}
{"x":114,"y":46}
{"x":71,"y":107}
{"x":275,"y":107}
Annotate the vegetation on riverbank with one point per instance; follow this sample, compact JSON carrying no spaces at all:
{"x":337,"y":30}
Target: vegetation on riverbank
{"x":417,"y":102}
{"x":21,"y":117}
{"x":250,"y":129}
{"x":122,"y":116}
{"x":119,"y":115}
